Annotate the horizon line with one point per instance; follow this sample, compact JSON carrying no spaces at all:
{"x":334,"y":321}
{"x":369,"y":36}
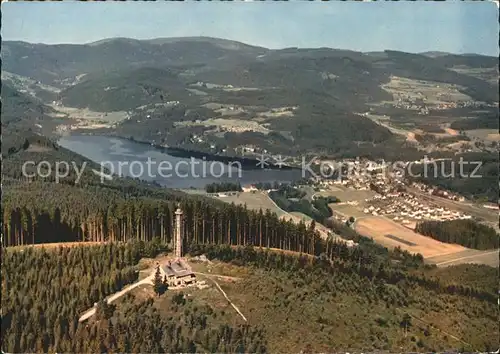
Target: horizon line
{"x":240,"y":42}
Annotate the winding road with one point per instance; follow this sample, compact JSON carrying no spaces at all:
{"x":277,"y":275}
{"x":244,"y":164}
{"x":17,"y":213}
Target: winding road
{"x":322,"y":229}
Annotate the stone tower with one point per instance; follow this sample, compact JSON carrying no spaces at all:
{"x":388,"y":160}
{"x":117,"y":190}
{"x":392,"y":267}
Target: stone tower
{"x":178,"y":233}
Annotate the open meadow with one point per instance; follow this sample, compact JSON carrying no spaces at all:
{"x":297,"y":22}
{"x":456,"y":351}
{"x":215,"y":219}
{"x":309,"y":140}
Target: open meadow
{"x":254,"y":201}
{"x":345,"y":194}
{"x":260,"y":200}
{"x":390,"y":234}
{"x":346,"y":210}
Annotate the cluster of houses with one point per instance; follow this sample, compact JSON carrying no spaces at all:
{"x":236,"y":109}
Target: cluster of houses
{"x":388,"y":187}
{"x":438,"y":192}
{"x":406,"y":102}
{"x":356,"y":174}
{"x":421,"y":104}
{"x":408,"y":207}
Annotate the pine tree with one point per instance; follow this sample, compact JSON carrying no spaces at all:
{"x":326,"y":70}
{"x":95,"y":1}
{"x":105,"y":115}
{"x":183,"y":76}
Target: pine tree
{"x":165,"y":283}
{"x":158,"y":282}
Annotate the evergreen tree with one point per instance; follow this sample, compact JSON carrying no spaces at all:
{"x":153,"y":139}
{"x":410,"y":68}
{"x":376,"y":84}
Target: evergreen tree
{"x":165,"y":284}
{"x":158,"y":282}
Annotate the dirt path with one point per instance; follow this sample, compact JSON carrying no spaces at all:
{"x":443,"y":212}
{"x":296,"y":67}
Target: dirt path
{"x":224,"y":277}
{"x":89,"y":313}
{"x":227,"y":298}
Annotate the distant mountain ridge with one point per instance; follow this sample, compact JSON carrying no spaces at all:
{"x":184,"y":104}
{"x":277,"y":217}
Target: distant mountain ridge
{"x":174,"y":79}
{"x":227,"y":44}
{"x":51,"y":63}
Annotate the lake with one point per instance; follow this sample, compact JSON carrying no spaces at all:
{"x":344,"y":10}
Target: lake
{"x":128,"y":158}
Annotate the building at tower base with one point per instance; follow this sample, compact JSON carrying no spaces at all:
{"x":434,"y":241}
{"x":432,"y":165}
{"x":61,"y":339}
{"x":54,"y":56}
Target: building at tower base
{"x":178,"y":273}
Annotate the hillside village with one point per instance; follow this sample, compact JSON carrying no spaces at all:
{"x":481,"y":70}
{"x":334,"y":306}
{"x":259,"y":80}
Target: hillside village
{"x":392,"y":195}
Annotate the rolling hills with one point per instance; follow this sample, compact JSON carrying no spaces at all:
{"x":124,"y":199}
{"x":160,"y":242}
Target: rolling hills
{"x":335,"y":299}
{"x":307,"y":99}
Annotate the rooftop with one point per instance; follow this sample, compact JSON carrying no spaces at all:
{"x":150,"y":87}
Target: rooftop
{"x":176,"y":268}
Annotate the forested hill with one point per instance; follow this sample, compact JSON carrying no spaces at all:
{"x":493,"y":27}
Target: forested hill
{"x":131,"y":219}
{"x":136,"y":220}
{"x":18,"y":107}
{"x":463,"y":232}
{"x":65,"y":61}
{"x":294,"y":101}
{"x":240,"y":64}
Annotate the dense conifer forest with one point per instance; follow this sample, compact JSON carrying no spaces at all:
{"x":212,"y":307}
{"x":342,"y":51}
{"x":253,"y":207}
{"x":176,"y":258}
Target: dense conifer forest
{"x":314,"y":285}
{"x":467,"y":233}
{"x":48,"y":212}
{"x":70,"y":280}
{"x":45,"y":291}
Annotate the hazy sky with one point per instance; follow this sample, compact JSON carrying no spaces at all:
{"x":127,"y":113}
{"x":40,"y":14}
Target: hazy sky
{"x":458,"y":27}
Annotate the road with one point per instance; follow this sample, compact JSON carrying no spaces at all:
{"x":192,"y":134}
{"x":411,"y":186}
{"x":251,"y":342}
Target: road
{"x":490,"y":258}
{"x":261,"y":200}
{"x":90,"y":312}
{"x":322,"y":229}
{"x":387,"y":125}
{"x":473,"y":209}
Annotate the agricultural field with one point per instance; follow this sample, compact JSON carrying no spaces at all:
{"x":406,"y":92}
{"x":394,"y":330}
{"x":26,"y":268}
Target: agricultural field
{"x":390,"y":234}
{"x":259,"y":200}
{"x":87,"y":114}
{"x":434,"y":93}
{"x":489,"y":258}
{"x":347,"y":194}
{"x":346,"y":210}
{"x":230,"y":125}
{"x":487,"y":74}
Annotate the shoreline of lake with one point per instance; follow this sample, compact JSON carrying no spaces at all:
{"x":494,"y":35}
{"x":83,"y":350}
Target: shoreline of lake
{"x":192,"y":170}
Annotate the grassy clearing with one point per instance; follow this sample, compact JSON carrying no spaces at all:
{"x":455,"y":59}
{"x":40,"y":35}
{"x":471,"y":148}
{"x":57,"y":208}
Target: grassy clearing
{"x":347,"y":194}
{"x":254,"y":201}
